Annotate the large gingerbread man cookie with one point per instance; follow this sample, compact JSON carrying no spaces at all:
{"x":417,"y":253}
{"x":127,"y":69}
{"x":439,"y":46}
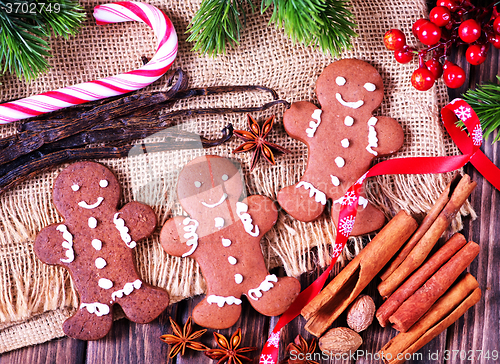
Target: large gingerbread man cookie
{"x":343,"y":137}
{"x":223,"y":235}
{"x":95,"y":243}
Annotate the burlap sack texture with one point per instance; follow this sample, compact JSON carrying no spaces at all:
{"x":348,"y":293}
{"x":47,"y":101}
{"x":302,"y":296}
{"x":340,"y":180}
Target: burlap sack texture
{"x":36,"y":298}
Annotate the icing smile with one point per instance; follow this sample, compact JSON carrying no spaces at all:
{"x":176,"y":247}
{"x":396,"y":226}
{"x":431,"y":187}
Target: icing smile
{"x":351,"y":104}
{"x":223,"y":198}
{"x":90,"y":207}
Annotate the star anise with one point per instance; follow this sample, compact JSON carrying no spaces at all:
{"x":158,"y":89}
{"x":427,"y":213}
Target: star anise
{"x":255,"y":139}
{"x":300,"y":352}
{"x":183,"y":339}
{"x":229,"y":351}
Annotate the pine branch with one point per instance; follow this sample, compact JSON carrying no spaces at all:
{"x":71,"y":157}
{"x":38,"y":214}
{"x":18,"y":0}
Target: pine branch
{"x":327,"y":24}
{"x":485,"y":101}
{"x":24,"y":31}
{"x":324,"y":23}
{"x":216,"y":24}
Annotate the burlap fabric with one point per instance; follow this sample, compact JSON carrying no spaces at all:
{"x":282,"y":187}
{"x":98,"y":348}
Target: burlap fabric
{"x":36,"y":298}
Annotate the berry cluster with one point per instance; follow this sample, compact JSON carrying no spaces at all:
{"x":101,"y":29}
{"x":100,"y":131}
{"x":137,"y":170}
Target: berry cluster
{"x":450,"y":23}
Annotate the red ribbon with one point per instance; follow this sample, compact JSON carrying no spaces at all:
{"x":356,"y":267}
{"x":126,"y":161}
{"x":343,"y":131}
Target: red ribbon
{"x":468,"y":143}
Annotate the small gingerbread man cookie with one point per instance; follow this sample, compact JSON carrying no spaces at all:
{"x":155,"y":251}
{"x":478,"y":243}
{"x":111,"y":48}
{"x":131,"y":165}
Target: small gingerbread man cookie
{"x":223,"y":235}
{"x":95,"y":243}
{"x":343,"y":137}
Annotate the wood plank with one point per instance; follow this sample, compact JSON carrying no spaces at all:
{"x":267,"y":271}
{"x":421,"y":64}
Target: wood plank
{"x":60,"y":351}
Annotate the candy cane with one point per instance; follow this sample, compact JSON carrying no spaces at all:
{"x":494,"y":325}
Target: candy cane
{"x":109,"y":86}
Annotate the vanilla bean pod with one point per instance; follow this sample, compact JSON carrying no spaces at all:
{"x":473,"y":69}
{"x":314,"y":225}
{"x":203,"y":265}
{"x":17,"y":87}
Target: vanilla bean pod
{"x":31,"y":164}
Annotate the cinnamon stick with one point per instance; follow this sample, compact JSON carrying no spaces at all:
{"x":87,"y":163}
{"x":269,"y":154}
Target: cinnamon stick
{"x":422,"y":229}
{"x":418,"y":278}
{"x":422,"y":249}
{"x":348,"y":284}
{"x":420,"y":302}
{"x":442,"y":314}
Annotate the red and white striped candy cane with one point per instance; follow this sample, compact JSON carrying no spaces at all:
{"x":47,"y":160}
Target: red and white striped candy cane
{"x":110,"y":86}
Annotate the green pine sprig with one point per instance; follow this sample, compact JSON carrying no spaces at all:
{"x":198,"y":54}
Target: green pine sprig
{"x":327,"y":24}
{"x":217,"y":24}
{"x":485,"y":101}
{"x":25,"y":30}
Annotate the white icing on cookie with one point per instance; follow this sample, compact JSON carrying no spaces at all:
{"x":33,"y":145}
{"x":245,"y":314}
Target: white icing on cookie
{"x":100,"y":263}
{"x":197,"y":184}
{"x":103,"y":183}
{"x":345,"y":143}
{"x":265,"y":286}
{"x":93,"y":206}
{"x":75,"y":187}
{"x":246,"y":219}
{"x":223,"y":198}
{"x":340,"y":81}
{"x":92,"y":222}
{"x":221,"y":301}
{"x":313,"y":191}
{"x":335,"y":181}
{"x":362,"y":201}
{"x":226,"y":242}
{"x":340,"y":162}
{"x":238,"y":278}
{"x":313,"y":126}
{"x":105,"y":283}
{"x":123,"y":230}
{"x":190,"y":235}
{"x":372,"y":136}
{"x":128,"y":288}
{"x":67,"y":244}
{"x":97,"y":244}
{"x":219,"y":222}
{"x":225,"y":177}
{"x":99,"y":309}
{"x":232,"y":260}
{"x":348,"y":121}
{"x":351,"y":104}
{"x":370,"y":87}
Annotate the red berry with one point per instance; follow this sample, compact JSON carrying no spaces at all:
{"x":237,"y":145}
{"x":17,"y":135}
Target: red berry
{"x":435,"y":67}
{"x":447,"y":64}
{"x":403,"y":55}
{"x":429,"y":34}
{"x":394,"y":39}
{"x":469,"y":31}
{"x":454,"y":76}
{"x":450,"y":4}
{"x":440,"y":16}
{"x":475,"y":55}
{"x":417,"y":25}
{"x":494,"y":39}
{"x":496,"y":25}
{"x":422,"y":79}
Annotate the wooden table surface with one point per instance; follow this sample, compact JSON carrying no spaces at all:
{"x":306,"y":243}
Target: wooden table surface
{"x":476,"y":333}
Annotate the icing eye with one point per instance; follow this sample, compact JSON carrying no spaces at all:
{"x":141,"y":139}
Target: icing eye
{"x":340,"y":81}
{"x":370,"y":87}
{"x":225,"y":177}
{"x":197,"y":184}
{"x":75,"y":187}
{"x":103,"y":183}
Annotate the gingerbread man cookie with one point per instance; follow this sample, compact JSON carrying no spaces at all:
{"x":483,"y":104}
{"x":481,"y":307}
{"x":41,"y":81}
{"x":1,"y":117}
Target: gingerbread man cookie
{"x":223,"y":235}
{"x":343,"y":137}
{"x":95,"y":243}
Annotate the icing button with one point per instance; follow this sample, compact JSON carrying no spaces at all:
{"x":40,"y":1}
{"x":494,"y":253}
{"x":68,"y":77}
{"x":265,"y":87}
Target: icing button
{"x":335,"y":181}
{"x":340,"y":162}
{"x":238,"y":278}
{"x":348,"y":121}
{"x":345,"y":143}
{"x":226,"y":242}
{"x":105,"y":283}
{"x":100,"y":263}
{"x":92,"y":222}
{"x":232,"y":260}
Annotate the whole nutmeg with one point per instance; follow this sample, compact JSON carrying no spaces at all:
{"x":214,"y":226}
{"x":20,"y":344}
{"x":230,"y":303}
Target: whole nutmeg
{"x":361,"y":313}
{"x":340,"y":340}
